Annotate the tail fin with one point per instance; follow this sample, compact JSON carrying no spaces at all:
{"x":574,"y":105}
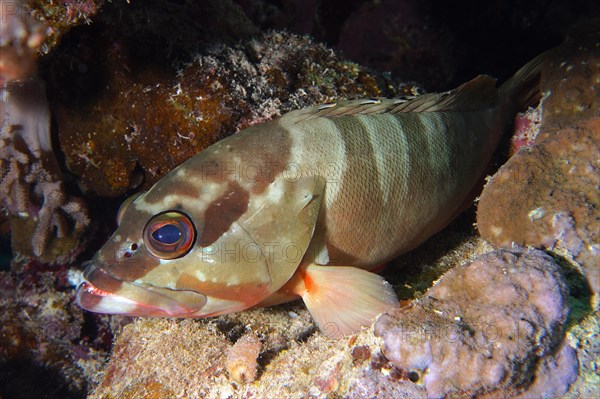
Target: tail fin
{"x":522,"y":90}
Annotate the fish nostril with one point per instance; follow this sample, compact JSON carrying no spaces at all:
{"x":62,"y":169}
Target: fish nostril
{"x":127,"y":253}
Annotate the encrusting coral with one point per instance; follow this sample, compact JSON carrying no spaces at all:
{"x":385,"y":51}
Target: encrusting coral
{"x":496,"y":317}
{"x":547,"y":195}
{"x":109,"y":138}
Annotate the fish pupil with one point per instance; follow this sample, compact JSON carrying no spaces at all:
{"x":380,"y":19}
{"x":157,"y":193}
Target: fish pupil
{"x":167,"y":234}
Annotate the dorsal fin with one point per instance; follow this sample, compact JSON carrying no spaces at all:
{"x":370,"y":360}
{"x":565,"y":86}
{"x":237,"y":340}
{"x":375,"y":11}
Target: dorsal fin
{"x":477,"y":94}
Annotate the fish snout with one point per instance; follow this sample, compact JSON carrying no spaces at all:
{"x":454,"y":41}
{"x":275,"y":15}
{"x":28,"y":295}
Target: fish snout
{"x":101,"y":292}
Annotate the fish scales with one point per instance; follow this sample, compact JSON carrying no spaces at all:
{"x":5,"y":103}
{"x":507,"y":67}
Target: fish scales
{"x":411,"y":168}
{"x":304,"y":206}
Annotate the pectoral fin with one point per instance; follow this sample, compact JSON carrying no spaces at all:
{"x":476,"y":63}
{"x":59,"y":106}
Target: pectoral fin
{"x":342,"y":299}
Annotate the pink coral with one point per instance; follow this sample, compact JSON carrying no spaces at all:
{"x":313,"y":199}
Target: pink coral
{"x":527,"y":126}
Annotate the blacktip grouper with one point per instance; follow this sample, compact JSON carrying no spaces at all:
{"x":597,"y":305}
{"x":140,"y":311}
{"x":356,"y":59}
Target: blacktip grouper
{"x":306,"y":206}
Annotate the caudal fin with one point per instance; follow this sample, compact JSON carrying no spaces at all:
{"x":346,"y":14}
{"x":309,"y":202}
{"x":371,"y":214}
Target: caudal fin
{"x":522,"y":90}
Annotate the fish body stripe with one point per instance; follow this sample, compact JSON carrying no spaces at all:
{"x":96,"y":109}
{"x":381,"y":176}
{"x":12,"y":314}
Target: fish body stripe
{"x":392,"y":178}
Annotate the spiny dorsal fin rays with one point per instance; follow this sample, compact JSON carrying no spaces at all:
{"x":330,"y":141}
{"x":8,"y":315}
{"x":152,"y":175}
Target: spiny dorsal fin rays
{"x":423,"y":103}
{"x":343,"y":108}
{"x":478,"y":94}
{"x":358,"y":107}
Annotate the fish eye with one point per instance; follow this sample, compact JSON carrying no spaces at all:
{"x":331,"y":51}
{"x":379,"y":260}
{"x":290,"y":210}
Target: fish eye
{"x":169,"y":235}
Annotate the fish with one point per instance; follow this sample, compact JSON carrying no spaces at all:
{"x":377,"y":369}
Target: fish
{"x":307,"y":206}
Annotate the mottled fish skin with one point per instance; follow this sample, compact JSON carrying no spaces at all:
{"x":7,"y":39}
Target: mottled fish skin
{"x":349,"y":184}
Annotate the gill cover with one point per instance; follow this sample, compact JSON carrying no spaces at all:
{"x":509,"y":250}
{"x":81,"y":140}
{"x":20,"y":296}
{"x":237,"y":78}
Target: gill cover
{"x":287,"y":226}
{"x":260,"y":251}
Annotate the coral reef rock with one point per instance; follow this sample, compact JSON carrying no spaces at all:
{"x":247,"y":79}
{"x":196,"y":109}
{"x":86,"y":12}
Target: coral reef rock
{"x":48,"y":345}
{"x":489,"y":329}
{"x":108,"y":135}
{"x":174,"y":359}
{"x":547,"y":195}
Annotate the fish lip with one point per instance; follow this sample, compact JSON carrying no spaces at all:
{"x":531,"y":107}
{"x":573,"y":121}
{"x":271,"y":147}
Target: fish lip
{"x":138,"y":300}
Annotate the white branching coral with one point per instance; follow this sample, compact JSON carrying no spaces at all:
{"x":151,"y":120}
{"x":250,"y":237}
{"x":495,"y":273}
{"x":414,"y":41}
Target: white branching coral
{"x":30,"y":180}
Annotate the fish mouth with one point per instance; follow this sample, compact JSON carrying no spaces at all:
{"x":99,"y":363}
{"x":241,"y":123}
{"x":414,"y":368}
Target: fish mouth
{"x":109,"y":294}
